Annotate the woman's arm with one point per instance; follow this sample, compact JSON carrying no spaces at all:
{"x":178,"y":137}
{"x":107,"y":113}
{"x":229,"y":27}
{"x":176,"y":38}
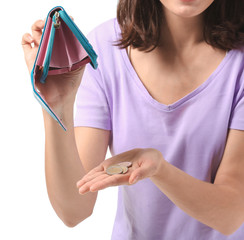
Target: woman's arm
{"x":64,"y":166}
{"x":219,"y":205}
{"x":67,"y":157}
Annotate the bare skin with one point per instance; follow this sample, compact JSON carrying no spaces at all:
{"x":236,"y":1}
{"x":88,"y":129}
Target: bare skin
{"x":65,"y":163}
{"x":219,"y":205}
{"x":181,"y":63}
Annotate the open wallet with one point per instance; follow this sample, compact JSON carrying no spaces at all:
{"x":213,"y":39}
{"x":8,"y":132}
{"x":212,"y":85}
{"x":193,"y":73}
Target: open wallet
{"x":63,"y":48}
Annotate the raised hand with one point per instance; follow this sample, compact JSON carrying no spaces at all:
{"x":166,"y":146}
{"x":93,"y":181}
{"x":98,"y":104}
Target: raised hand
{"x":58,"y":90}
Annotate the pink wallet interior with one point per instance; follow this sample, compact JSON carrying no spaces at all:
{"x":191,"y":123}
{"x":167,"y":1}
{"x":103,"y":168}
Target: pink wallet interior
{"x":67,"y":54}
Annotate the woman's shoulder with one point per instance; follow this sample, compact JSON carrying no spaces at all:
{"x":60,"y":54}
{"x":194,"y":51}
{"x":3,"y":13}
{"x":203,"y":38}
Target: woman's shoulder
{"x":236,"y":66}
{"x":104,"y":33}
{"x":236,"y":60}
{"x":103,"y":39}
{"x":239,"y":52}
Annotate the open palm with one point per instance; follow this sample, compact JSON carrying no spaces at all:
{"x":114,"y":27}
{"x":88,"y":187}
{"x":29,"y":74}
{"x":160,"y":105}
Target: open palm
{"x":145,"y":163}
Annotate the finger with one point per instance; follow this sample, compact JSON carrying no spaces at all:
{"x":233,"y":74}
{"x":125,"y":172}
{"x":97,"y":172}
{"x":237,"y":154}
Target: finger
{"x":135,"y":176}
{"x":114,"y":180}
{"x":96,"y":169}
{"x":36,"y":29}
{"x":86,"y":187}
{"x":140,"y":173}
{"x":37,"y":26}
{"x":26,"y":42}
{"x":88,"y":178}
{"x":93,"y":171}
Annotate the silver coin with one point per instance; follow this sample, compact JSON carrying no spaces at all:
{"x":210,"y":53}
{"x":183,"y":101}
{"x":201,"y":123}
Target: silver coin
{"x":127,"y":164}
{"x":125,"y":169}
{"x":114,"y":169}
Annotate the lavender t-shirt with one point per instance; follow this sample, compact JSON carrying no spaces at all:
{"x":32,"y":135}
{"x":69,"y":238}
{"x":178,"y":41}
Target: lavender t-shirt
{"x":191,"y":134}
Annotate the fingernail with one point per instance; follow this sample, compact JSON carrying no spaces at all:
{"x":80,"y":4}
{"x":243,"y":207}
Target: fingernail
{"x":93,"y":189}
{"x":81,"y":191}
{"x":78,"y":184}
{"x":135,"y":180}
{"x":30,"y":38}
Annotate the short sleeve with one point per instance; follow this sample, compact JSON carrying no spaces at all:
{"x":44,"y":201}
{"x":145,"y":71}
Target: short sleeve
{"x":237,"y":115}
{"x":91,"y":105}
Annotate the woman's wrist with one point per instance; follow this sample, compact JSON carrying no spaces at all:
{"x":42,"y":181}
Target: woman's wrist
{"x":161,"y":172}
{"x":162,"y":165}
{"x":65,"y":114}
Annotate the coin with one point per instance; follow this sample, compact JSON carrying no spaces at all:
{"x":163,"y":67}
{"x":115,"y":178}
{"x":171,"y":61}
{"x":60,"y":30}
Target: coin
{"x":114,"y":169}
{"x":125,"y":169}
{"x":120,"y":168}
{"x":127,"y":164}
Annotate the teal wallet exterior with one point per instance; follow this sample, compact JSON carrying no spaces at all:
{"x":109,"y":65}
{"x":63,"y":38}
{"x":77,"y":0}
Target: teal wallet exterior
{"x":63,"y":48}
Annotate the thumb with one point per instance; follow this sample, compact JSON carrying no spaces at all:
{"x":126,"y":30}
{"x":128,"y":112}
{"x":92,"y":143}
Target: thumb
{"x":140,"y":173}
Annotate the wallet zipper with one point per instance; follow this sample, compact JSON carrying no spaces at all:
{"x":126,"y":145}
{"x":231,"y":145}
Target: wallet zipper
{"x":57,"y":22}
{"x":82,"y":39}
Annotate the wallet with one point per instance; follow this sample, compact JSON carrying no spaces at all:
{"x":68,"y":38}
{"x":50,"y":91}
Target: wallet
{"x":62,"y":48}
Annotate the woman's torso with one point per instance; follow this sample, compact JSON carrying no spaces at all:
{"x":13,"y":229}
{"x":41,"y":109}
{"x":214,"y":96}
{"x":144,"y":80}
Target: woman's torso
{"x":190,"y":132}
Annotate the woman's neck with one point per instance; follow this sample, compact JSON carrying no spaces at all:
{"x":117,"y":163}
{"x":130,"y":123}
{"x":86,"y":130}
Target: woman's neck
{"x":181,"y":34}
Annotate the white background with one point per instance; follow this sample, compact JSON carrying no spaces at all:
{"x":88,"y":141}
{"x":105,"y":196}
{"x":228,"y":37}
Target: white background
{"x":25,"y":210}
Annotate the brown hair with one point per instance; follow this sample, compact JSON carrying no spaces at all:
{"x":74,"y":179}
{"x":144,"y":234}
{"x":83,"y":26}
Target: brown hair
{"x":140,"y":22}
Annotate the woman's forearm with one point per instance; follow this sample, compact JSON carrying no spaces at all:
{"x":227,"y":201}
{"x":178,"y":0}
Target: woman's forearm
{"x":63,"y":169}
{"x":218,"y":206}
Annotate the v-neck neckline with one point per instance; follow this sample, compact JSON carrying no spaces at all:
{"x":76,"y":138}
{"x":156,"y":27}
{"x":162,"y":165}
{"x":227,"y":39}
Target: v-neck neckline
{"x":136,"y":79}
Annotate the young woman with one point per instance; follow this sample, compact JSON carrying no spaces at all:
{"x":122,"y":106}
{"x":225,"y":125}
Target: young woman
{"x":168,"y":96}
